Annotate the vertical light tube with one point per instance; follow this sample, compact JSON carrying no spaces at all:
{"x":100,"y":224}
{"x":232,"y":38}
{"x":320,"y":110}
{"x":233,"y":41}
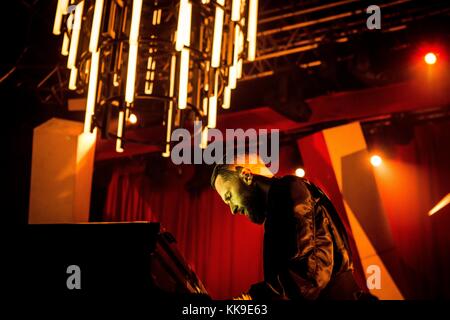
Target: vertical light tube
{"x":236,"y":10}
{"x":149,"y":75}
{"x":240,"y":50}
{"x":65,"y":45}
{"x":205,"y":105}
{"x":212,"y":112}
{"x":151,"y":63}
{"x":226,"y":98}
{"x":155,"y":17}
{"x":252,"y":28}
{"x":158,"y":21}
{"x":73,"y":79}
{"x":232,"y":71}
{"x":92,"y":91}
{"x":237,"y":45}
{"x":135,"y":21}
{"x":217,"y":39}
{"x":71,"y":60}
{"x":204,"y":138}
{"x":206,"y":79}
{"x":183,"y":39}
{"x":61,"y":9}
{"x":239,"y":69}
{"x":133,"y":50}
{"x":120,"y":131}
{"x":173,"y":63}
{"x":184,"y":25}
{"x":96,"y":24}
{"x":183,"y":79}
{"x":232,"y":77}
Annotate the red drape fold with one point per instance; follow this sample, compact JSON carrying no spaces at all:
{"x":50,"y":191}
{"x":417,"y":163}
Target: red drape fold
{"x":414,"y":177}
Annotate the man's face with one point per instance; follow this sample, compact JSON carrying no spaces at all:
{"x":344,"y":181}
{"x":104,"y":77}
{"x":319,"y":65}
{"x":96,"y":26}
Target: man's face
{"x":242,"y":198}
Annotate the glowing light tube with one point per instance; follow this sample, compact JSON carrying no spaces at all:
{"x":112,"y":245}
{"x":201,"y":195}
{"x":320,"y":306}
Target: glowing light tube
{"x":150,"y":74}
{"x":183,"y":79}
{"x":236,"y":10}
{"x":237,"y":44}
{"x":205,"y":105}
{"x":158,"y":21}
{"x":61,"y":8}
{"x":120,"y":131}
{"x":240,"y":50}
{"x":184,"y":25}
{"x":206,"y":79}
{"x":133,"y":50}
{"x":252,"y":26}
{"x":204,"y":138}
{"x":92,"y":91}
{"x":173,"y":62}
{"x":440,"y":205}
{"x":226,"y":98}
{"x":232,"y":77}
{"x":96,"y":24}
{"x":217,"y":40}
{"x":65,"y":45}
{"x":239,"y":69}
{"x":73,"y":79}
{"x":71,"y":60}
{"x":212,"y":112}
{"x":155,"y":17}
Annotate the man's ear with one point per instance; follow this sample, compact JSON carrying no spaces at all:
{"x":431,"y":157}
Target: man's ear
{"x":246,"y":175}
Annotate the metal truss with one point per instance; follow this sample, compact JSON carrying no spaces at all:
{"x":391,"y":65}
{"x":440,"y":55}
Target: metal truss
{"x":295,"y":33}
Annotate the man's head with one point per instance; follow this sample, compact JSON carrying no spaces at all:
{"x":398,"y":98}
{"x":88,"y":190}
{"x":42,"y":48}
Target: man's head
{"x":236,"y":186}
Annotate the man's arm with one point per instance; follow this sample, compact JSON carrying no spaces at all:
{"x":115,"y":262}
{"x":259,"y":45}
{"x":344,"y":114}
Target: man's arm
{"x":303,"y":247}
{"x":311,"y":267}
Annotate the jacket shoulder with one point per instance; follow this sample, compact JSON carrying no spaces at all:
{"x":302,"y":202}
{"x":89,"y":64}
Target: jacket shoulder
{"x":295,"y":188}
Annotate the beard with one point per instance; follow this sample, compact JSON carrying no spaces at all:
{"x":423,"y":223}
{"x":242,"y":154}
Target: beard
{"x":253,"y":202}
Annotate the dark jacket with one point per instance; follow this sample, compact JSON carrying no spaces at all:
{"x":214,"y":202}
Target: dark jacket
{"x":305,"y":245}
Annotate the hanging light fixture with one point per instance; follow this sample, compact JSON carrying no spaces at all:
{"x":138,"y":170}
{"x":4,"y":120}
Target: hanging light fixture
{"x":183,"y":55}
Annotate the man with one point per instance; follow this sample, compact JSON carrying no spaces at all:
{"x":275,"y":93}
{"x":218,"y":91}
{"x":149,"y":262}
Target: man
{"x":306,"y":252}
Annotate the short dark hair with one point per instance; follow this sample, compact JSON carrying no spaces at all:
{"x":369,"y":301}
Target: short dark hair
{"x":227,"y":171}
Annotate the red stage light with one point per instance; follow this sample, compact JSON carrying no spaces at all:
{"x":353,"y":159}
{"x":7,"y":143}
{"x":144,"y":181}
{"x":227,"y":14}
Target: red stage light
{"x":430,"y":58}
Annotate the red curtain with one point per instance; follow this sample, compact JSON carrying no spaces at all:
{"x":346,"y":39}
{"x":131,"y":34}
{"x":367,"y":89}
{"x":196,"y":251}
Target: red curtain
{"x":224,"y":251}
{"x":414,"y":177}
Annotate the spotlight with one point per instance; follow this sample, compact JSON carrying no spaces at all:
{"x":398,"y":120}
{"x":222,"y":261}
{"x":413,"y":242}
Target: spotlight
{"x":132,"y":119}
{"x":430,"y":58}
{"x":376,"y":160}
{"x":441,"y":204}
{"x":300,"y":172}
